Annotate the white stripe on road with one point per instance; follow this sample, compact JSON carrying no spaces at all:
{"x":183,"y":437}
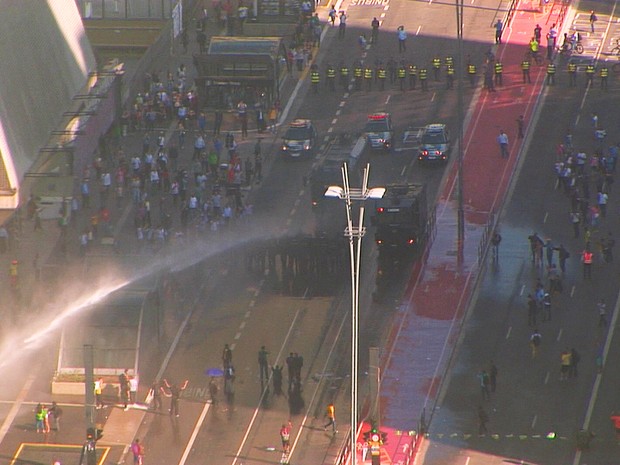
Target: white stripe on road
{"x":190,"y":443}
{"x":8,"y":421}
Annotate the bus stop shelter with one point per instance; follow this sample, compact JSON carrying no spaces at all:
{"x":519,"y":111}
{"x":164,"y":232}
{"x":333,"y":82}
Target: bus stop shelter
{"x":241,"y":68}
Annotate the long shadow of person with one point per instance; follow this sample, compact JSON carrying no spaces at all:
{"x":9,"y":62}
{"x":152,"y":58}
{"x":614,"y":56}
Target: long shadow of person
{"x":295,"y":400}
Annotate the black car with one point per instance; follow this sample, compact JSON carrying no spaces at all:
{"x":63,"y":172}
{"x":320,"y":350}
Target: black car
{"x":300,"y":139}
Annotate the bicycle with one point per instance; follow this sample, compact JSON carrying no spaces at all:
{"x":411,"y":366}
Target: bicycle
{"x":569,"y":48}
{"x":534,"y":57}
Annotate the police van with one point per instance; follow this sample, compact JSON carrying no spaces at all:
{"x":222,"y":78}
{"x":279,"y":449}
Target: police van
{"x":300,"y":139}
{"x":379,"y":131}
{"x":434,"y":143}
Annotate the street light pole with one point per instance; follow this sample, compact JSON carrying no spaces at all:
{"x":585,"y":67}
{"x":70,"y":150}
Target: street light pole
{"x":354,"y":233}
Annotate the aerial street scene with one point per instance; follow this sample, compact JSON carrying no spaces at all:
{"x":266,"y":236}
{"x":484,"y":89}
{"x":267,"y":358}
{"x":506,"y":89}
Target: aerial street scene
{"x":248,"y":232}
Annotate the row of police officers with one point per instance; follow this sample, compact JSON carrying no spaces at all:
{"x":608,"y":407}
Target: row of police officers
{"x":364,"y":76}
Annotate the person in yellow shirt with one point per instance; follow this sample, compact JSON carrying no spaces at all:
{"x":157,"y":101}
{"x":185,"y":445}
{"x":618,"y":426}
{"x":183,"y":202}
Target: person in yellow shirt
{"x":331,"y":417}
{"x":534,"y":46}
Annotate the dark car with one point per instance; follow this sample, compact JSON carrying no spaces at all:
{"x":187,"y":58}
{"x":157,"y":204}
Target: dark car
{"x":434,"y":143}
{"x":300,"y":139}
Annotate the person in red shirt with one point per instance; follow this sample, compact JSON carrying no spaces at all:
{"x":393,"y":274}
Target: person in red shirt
{"x":285,"y":435}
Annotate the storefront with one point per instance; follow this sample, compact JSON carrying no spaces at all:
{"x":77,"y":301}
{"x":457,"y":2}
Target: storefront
{"x":241,"y":68}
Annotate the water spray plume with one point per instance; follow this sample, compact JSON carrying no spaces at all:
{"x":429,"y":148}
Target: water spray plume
{"x":94,"y":290}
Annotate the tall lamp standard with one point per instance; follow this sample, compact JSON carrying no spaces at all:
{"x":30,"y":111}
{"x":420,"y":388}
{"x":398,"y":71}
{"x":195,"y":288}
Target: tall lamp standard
{"x":354,"y":233}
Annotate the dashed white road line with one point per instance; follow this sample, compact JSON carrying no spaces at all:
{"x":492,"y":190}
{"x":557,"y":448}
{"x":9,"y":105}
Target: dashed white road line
{"x":334,"y":121}
{"x":418,"y":30}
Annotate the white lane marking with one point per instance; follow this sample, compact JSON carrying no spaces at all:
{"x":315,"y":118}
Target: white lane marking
{"x":342,"y":104}
{"x":572,"y":290}
{"x":338,"y":112}
{"x":386,"y":7}
{"x":335,"y":120}
{"x":330,"y":130}
{"x":242,"y":325}
{"x":21,"y":397}
{"x":402,"y":172}
{"x":599,"y":376}
{"x":252,"y":303}
{"x":382,"y":15}
{"x":237,"y":337}
{"x":197,"y":427}
{"x":346,"y":95}
{"x":247,"y":314}
{"x":293,"y":211}
{"x":522,"y":290}
{"x":418,"y":31}
{"x":325,"y":139}
{"x":260,"y":401}
{"x":547,"y":377}
{"x":508,"y":332}
{"x":297,"y":201}
{"x":534,"y":421}
{"x":545,"y":218}
{"x":559,"y":335}
{"x":387,"y":100}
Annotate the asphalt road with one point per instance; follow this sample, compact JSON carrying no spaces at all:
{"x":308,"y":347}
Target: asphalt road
{"x":531,"y":401}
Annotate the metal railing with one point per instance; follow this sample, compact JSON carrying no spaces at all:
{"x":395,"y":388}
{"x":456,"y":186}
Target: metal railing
{"x":483,"y":246}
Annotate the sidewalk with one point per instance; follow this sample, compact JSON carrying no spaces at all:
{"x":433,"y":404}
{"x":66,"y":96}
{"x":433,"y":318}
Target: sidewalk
{"x":426,"y":329}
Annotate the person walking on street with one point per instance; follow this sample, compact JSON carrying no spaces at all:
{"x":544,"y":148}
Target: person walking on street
{"x":525,"y":70}
{"x":138,"y":452}
{"x":98,"y":389}
{"x":563,"y":255}
{"x":593,"y":19}
{"x":285,"y":436}
{"x":565,"y":364}
{"x":586,"y":258}
{"x":535,"y":340}
{"x":123,"y":380}
{"x":495,"y":241}
{"x":56,"y":413}
{"x":156,"y":395}
{"x":331,"y":417}
{"x":263,"y":365}
{"x":502,"y":140}
{"x":402,"y":39}
{"x":374,"y":24}
{"x":521,"y":127}
{"x":226,"y":356}
{"x":483,"y":378}
{"x":499,"y":28}
{"x":213,"y":390}
{"x":483,"y":419}
{"x":342,"y":26}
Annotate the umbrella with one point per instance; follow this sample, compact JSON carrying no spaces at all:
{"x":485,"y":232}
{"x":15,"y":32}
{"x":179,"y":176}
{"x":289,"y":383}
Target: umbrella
{"x":214,"y":372}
